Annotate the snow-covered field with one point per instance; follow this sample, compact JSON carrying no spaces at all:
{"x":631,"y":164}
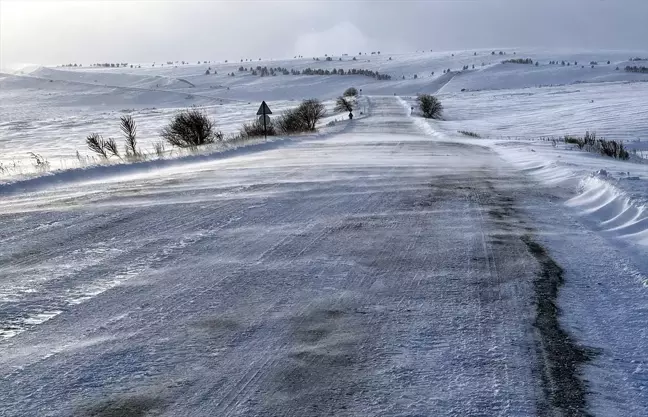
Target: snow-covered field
{"x":385,"y":266}
{"x":50,"y":111}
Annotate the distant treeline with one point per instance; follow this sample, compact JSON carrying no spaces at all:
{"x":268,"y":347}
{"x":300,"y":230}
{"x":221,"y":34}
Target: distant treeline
{"x":528,"y":61}
{"x":642,"y":70}
{"x":270,"y":72}
{"x":113,"y":65}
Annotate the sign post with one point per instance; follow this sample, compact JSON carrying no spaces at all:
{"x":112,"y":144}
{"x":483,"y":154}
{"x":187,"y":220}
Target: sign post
{"x":264,"y":111}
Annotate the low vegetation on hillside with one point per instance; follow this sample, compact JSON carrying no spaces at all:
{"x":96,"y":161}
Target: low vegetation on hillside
{"x":590,"y":143}
{"x":190,"y":129}
{"x":469,"y":133}
{"x":527,"y":61}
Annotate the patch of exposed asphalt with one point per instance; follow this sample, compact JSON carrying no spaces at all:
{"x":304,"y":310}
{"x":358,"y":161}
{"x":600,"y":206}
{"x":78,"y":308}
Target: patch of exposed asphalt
{"x":562,"y":357}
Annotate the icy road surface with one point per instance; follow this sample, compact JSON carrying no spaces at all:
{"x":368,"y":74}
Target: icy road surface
{"x":377,"y":272}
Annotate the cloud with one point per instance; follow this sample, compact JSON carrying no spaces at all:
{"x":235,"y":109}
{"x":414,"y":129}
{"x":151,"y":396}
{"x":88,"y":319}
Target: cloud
{"x":341,"y":38}
{"x":54,"y":32}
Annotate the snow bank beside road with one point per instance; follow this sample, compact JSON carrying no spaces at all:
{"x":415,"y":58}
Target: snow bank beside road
{"x":612,"y":194}
{"x":206,"y":154}
{"x":97,"y":172}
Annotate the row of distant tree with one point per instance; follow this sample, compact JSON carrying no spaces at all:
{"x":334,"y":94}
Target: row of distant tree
{"x":326,"y":57}
{"x":642,"y":69}
{"x":271,"y":72}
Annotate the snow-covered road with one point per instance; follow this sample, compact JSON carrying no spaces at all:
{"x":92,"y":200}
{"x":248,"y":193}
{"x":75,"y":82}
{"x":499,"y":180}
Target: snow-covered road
{"x":376,"y":272}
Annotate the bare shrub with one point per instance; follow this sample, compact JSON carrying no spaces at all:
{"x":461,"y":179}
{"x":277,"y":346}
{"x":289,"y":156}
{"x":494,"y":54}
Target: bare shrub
{"x":469,"y":133}
{"x":343,"y":105}
{"x":310,"y":112}
{"x":304,"y":118}
{"x":290,"y":123}
{"x":255,"y":129}
{"x":110,"y":146}
{"x":613,"y":149}
{"x":605,"y":147}
{"x":158,"y":148}
{"x":129,"y":130}
{"x":190,"y":129}
{"x":40,"y":163}
{"x":96,"y":144}
{"x":430,"y":106}
{"x":574,"y":141}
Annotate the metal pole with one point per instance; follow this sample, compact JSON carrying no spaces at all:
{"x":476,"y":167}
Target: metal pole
{"x":265,"y":130}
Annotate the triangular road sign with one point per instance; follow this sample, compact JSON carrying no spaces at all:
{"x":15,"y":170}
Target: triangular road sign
{"x":263,"y":109}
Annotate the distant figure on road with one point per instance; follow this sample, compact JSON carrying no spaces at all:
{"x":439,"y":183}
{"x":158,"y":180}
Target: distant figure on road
{"x":350,"y":115}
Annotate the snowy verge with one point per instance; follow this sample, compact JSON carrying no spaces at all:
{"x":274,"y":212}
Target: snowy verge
{"x":611,"y":194}
{"x":212,"y":153}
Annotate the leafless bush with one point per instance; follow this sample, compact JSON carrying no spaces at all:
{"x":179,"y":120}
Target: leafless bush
{"x":40,"y":163}
{"x":158,"y":147}
{"x":102,"y":147}
{"x":96,"y":144}
{"x":290,"y":123}
{"x":310,"y":112}
{"x":469,"y":133}
{"x":605,"y":147}
{"x":574,"y":141}
{"x":304,"y":118}
{"x":129,"y":130}
{"x":190,"y":129}
{"x":256,"y":129}
{"x":343,"y":105}
{"x":111,"y":147}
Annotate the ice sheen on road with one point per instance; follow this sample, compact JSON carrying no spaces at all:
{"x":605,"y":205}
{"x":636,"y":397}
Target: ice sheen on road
{"x":365,"y":274}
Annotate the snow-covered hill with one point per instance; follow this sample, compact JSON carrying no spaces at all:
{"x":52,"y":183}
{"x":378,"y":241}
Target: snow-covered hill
{"x":50,"y":111}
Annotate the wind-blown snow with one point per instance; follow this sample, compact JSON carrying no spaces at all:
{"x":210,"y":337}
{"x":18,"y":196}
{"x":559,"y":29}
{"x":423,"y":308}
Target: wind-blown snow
{"x":382,"y":257}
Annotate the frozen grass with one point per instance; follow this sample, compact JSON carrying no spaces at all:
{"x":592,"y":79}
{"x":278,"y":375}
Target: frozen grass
{"x":468,"y":133}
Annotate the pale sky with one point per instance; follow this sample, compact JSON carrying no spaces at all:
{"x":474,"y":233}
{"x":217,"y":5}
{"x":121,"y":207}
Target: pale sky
{"x":56,"y":32}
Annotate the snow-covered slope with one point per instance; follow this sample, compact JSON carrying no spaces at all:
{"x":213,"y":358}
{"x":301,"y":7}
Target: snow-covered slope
{"x":50,"y":111}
